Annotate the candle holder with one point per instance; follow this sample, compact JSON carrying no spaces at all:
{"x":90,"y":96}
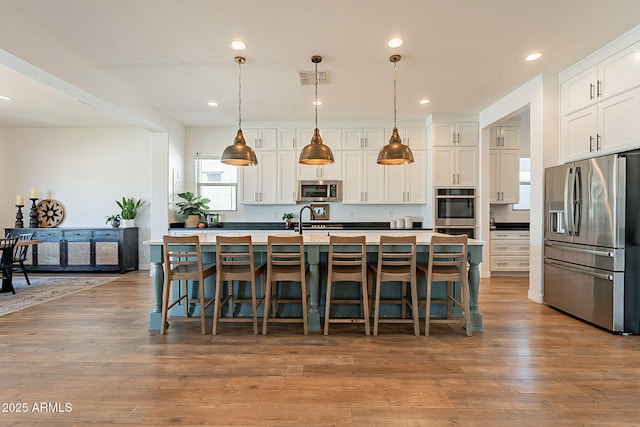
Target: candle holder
{"x":33,"y":214}
{"x":19,"y":223}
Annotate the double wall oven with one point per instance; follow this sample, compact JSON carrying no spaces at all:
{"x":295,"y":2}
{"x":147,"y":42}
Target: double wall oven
{"x":456,"y":211}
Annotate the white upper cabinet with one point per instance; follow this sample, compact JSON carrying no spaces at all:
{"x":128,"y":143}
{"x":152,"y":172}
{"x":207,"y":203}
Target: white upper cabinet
{"x":455,"y":166}
{"x":363,"y":179}
{"x":363,"y":139}
{"x":600,"y":107}
{"x":416,"y":138}
{"x":259,"y":182}
{"x":286,"y":177}
{"x":505,"y":176}
{"x":288,"y":139}
{"x":407,"y":184}
{"x":455,"y":134}
{"x":504,"y":137}
{"x":261,"y":139}
{"x":612,"y":76}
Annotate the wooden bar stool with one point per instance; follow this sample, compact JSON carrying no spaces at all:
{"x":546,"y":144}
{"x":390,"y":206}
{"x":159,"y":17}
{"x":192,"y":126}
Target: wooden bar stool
{"x":285,"y":263}
{"x":396,"y":263}
{"x":235,"y":261}
{"x":347,"y":262}
{"x":448,"y":265}
{"x":183,"y":262}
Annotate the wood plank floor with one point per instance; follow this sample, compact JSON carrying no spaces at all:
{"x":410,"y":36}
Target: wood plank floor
{"x":531,"y":366}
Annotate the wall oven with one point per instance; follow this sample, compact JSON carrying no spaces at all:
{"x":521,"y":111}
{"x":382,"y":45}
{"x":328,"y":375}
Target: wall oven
{"x":455,"y":207}
{"x":469,"y":231}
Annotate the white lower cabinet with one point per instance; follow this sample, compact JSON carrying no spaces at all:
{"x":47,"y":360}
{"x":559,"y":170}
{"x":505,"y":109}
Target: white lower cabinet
{"x":510,"y":251}
{"x":363,"y":180}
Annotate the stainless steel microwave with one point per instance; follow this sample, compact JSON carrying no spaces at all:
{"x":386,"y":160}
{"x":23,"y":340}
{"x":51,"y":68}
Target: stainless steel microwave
{"x":319,"y":191}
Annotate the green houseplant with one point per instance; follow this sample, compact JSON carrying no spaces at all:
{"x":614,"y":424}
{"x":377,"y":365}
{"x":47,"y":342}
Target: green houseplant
{"x":129,"y":209}
{"x":287,"y":217}
{"x":192,"y":207}
{"x":114,"y":220}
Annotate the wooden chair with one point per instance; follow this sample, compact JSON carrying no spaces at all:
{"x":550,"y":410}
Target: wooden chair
{"x":347,"y":262}
{"x":396,"y":264}
{"x":183,"y":262}
{"x":448,"y":265}
{"x":20,"y":254}
{"x":7,"y":247}
{"x":285,"y":263}
{"x":235,"y":262}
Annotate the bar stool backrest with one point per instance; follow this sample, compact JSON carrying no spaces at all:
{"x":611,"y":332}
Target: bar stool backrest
{"x":451,"y":259}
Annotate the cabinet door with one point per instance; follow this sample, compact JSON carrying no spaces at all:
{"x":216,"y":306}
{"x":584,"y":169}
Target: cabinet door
{"x":467,"y":169}
{"x":579,"y":133}
{"x":509,"y":137}
{"x":620,"y":72}
{"x":416,"y":138}
{"x":444,"y":164}
{"x":334,"y":170}
{"x":373,"y":178}
{"x":619,"y":122}
{"x":374,"y":138}
{"x":352,"y":139}
{"x":353,"y":177}
{"x":416,"y":179}
{"x":509,"y":170}
{"x":250,"y":184}
{"x":467,"y":134}
{"x":287,"y":161}
{"x":287,"y":139}
{"x":494,"y":177}
{"x":261,"y":139}
{"x":444,"y":134}
{"x":395,"y":184}
{"x":579,"y":91}
{"x":267,"y":166}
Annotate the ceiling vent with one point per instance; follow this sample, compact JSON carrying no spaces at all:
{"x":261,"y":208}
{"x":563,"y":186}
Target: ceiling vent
{"x":306,"y":78}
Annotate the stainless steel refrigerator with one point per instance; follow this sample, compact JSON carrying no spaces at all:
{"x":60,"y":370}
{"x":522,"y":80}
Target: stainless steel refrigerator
{"x":591,"y":251}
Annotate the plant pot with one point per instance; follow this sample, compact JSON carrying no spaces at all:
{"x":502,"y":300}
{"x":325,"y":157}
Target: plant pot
{"x":191,"y":221}
{"x":128,"y":223}
{"x":115,"y":223}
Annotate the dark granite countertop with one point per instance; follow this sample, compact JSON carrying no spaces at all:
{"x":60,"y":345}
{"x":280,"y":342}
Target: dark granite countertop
{"x":306,"y":225}
{"x":511,"y":226}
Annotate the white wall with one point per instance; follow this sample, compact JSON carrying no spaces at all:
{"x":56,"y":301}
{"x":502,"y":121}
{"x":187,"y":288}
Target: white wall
{"x":86,"y":169}
{"x":541,"y":96}
{"x":211,"y":141}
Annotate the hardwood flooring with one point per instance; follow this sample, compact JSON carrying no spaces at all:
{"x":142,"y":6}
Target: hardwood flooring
{"x":88,"y":358}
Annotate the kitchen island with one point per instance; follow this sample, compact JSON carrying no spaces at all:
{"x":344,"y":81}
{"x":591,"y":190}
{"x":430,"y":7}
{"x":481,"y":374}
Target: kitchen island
{"x":316,"y":245}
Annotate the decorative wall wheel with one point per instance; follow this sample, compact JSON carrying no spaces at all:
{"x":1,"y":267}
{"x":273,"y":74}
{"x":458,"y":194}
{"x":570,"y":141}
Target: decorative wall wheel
{"x":50,"y":213}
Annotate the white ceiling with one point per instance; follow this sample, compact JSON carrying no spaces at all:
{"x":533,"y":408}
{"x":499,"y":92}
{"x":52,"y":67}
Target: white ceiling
{"x":143,"y":61}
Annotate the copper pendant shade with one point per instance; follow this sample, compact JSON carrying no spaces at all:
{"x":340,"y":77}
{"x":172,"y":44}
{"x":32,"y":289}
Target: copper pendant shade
{"x":239,"y":153}
{"x":395,"y":152}
{"x":316,"y":153}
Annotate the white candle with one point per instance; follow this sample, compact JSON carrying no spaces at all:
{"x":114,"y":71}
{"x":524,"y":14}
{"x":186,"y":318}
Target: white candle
{"x":34,"y":193}
{"x":19,"y":200}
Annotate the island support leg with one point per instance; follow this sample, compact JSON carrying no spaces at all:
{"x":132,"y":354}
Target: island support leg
{"x":157,"y":278}
{"x":474,"y":287}
{"x":313,"y":258}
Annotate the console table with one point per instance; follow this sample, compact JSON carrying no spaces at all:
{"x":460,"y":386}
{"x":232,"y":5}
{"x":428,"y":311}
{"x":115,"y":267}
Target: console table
{"x":82,"y":249}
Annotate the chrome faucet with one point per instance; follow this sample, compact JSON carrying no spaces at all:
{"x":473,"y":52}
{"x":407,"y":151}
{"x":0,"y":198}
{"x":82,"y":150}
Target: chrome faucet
{"x":312,"y":217}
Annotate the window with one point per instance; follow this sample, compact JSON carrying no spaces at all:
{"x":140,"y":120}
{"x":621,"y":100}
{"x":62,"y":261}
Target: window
{"x":217,"y":182}
{"x":525,"y":185}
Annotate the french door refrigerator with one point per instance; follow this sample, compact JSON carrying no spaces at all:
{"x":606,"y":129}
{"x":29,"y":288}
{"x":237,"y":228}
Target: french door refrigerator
{"x":592,"y":240}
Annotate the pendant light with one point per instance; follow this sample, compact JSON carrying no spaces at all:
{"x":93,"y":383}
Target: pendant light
{"x":239,"y":153}
{"x":395,"y":152}
{"x":316,"y":153}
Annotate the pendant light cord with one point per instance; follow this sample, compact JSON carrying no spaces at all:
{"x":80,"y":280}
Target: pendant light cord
{"x":239,"y":94}
{"x":394,"y":96}
{"x":316,"y":100}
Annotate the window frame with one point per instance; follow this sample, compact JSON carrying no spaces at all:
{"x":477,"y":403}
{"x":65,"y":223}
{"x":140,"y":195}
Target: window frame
{"x":199,"y":184}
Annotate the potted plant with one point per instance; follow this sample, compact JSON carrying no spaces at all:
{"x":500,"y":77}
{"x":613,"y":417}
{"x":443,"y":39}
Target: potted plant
{"x":192,"y":207}
{"x":129,"y":209}
{"x":287,"y":217}
{"x":114,"y":220}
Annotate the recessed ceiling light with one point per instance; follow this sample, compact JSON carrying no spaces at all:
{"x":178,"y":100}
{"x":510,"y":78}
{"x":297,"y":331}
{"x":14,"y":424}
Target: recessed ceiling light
{"x":425,"y":101}
{"x":5,"y":98}
{"x":212,"y":104}
{"x":238,"y":45}
{"x":317,"y":102}
{"x":533,"y":56}
{"x":397,"y":42}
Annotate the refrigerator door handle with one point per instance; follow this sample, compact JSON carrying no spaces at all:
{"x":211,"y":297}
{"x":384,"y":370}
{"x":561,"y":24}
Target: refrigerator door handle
{"x":563,"y":266}
{"x":607,"y":254}
{"x":577,"y":205}
{"x":568,"y":202}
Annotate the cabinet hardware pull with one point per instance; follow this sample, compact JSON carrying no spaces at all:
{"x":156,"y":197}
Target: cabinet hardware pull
{"x":590,"y":143}
{"x":599,"y":91}
{"x":591,"y":91}
{"x":598,"y":138}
